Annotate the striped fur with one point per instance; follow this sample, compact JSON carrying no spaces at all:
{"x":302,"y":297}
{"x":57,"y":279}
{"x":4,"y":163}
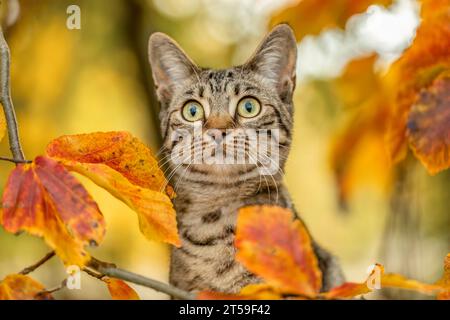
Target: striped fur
{"x":209,"y":195}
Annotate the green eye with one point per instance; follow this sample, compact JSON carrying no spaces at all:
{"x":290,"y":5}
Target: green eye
{"x":248,"y":107}
{"x":192,"y":111}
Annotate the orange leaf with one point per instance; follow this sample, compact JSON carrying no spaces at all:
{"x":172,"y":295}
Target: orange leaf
{"x":118,"y":150}
{"x":45,"y":200}
{"x":259,"y":291}
{"x":278,"y":249}
{"x":426,"y":59}
{"x":361,"y":144}
{"x":21,"y":287}
{"x":157,"y":217}
{"x":119,"y":290}
{"x":124,"y":166}
{"x":390,"y":280}
{"x":310,"y":17}
{"x":429,"y":125}
{"x":347,"y":290}
{"x":445,"y":281}
{"x":393,"y":280}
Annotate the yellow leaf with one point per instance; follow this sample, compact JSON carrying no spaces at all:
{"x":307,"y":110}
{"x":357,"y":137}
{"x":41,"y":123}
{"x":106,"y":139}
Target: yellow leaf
{"x":22,"y":287}
{"x":157,"y":218}
{"x":118,"y":150}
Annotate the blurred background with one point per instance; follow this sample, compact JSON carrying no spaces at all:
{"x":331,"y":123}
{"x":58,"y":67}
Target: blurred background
{"x":97,"y":78}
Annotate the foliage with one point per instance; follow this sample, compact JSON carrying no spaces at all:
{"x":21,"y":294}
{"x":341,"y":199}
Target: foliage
{"x":21,"y":287}
{"x":310,"y":17}
{"x":407,"y":107}
{"x":277,"y":247}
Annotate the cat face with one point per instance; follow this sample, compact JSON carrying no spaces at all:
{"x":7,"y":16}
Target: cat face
{"x":233,"y":123}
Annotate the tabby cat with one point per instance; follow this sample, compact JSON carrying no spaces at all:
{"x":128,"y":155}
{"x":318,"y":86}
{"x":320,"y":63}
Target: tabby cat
{"x":256,"y":95}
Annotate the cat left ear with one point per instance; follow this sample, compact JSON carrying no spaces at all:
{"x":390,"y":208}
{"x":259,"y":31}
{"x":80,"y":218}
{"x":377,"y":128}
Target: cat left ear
{"x":275,"y":60}
{"x":170,"y":65}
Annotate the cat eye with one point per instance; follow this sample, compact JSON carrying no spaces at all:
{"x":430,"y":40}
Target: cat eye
{"x":192,"y":111}
{"x":248,"y":107}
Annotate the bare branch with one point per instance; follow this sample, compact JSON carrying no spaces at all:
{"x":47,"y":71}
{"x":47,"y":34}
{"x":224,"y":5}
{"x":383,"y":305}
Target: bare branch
{"x":14,"y":160}
{"x":54,"y":289}
{"x":33,"y":267}
{"x":114,"y":272}
{"x":94,"y":274}
{"x":5,"y":100}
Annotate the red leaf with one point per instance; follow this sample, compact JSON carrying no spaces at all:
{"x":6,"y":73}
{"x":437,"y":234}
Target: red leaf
{"x":44,"y":199}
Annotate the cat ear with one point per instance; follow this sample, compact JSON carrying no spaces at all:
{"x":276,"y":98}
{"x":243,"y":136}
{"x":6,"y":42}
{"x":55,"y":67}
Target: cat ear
{"x":275,"y":60}
{"x":170,"y":65}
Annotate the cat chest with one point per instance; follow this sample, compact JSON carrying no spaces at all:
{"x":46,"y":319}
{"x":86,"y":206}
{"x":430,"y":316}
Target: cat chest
{"x":209,"y":230}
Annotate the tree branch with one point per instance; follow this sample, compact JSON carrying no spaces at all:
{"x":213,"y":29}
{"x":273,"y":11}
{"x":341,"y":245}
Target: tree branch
{"x":5,"y":100}
{"x":14,"y":160}
{"x":33,"y":267}
{"x":104,"y":269}
{"x":62,"y":285}
{"x":114,"y":272}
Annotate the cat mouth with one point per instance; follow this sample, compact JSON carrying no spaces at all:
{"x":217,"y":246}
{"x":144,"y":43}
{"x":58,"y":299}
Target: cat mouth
{"x":223,"y":170}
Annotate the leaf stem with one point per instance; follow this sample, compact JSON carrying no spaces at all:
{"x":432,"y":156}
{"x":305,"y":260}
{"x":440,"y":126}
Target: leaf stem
{"x":33,"y":267}
{"x":5,"y":100}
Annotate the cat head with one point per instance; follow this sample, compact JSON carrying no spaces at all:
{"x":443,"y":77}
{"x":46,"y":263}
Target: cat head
{"x":218,"y":117}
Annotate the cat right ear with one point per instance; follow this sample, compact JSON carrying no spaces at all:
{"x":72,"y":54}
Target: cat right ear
{"x":170,"y":65}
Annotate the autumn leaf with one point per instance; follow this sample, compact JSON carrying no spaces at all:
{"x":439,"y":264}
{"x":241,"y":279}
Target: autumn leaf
{"x":121,"y":164}
{"x":415,"y":72}
{"x":157,"y":217}
{"x":360,"y":144}
{"x":45,"y":200}
{"x":445,"y":281}
{"x":428,"y":126}
{"x":311,"y":17}
{"x":118,"y":150}
{"x":119,"y":290}
{"x":390,"y":280}
{"x":277,"y":248}
{"x":347,"y":290}
{"x":258,"y":291}
{"x":22,"y":287}
{"x":409,"y":104}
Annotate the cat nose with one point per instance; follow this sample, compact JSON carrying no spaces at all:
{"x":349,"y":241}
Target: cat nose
{"x":219,"y":122}
{"x":217,"y":134}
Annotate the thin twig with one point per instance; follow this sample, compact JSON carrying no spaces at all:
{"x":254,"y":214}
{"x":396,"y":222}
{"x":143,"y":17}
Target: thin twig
{"x":62,"y":285}
{"x":114,"y":272}
{"x":5,"y":100}
{"x":14,"y":160}
{"x":94,"y":274}
{"x":33,"y":267}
